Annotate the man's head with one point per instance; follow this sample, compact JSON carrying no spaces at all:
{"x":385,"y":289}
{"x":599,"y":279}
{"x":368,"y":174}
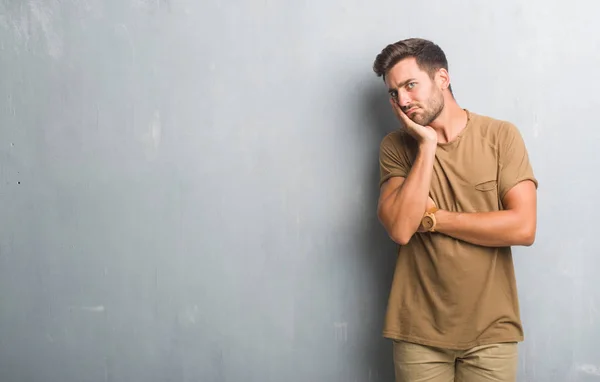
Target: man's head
{"x":416,"y":74}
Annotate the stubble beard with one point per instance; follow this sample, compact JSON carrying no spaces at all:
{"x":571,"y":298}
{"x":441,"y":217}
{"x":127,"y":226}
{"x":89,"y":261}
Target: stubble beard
{"x":431,"y":112}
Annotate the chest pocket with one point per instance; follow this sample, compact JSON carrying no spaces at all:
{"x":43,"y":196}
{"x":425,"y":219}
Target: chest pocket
{"x":469,"y":186}
{"x":466,"y":174}
{"x":482,"y":193}
{"x":487,"y":185}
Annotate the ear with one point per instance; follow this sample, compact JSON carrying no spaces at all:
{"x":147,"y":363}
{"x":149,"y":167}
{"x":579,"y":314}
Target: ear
{"x":443,"y":78}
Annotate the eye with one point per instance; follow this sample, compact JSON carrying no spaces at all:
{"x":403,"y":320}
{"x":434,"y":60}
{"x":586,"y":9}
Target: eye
{"x":411,"y":85}
{"x":394,"y":95}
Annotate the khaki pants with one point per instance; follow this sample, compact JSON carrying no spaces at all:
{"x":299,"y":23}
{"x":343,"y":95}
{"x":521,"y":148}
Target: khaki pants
{"x":418,"y":363}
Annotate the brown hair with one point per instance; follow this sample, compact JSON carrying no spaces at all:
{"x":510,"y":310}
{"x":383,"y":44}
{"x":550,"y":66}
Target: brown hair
{"x":430,"y":57}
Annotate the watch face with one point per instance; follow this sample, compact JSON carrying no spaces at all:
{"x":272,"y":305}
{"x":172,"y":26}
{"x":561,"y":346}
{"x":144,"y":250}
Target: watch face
{"x":427,"y":222}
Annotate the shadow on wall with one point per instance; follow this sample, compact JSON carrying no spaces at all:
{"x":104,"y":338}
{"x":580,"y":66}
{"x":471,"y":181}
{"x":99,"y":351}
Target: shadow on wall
{"x":377,"y":249}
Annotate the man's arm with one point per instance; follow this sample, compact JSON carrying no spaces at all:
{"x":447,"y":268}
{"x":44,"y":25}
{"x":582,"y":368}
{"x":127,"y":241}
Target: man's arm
{"x":403,"y":200}
{"x":515,"y":225}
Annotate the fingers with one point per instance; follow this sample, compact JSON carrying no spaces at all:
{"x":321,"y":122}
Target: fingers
{"x":430,"y":204}
{"x":398,"y":110}
{"x":395,"y":104}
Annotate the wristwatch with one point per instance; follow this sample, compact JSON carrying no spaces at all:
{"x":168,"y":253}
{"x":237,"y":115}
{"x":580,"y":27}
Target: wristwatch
{"x":428,"y":220}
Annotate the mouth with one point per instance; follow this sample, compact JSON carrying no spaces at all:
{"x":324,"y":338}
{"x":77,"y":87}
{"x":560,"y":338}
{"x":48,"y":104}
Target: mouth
{"x":412,"y":110}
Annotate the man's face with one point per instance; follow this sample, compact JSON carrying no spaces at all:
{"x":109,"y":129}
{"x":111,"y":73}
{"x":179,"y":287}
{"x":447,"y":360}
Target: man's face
{"x":415,"y":92}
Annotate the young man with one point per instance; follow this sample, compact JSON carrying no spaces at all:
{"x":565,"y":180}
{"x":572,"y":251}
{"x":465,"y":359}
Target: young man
{"x":457,"y":191}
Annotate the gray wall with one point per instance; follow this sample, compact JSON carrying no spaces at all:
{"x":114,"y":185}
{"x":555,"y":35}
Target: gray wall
{"x":188,"y":188}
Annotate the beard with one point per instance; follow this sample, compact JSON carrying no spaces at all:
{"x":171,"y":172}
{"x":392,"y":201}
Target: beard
{"x":429,"y":111}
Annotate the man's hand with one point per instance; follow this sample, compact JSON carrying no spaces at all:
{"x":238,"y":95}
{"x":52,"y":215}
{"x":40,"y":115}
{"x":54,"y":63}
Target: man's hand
{"x":423,"y":134}
{"x":430,"y":204}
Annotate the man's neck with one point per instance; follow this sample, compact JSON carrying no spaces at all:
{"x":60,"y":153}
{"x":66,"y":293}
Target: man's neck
{"x":450,"y":122}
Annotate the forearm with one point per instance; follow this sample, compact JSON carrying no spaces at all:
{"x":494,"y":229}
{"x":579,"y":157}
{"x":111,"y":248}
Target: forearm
{"x":492,"y":229}
{"x":407,"y":205}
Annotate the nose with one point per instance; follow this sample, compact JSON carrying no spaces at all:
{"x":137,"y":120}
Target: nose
{"x":403,"y":99}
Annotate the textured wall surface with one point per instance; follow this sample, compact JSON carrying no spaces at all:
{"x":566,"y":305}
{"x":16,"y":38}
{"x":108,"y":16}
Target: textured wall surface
{"x":188,"y":188}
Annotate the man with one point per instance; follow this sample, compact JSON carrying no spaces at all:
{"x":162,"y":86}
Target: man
{"x":457,"y":191}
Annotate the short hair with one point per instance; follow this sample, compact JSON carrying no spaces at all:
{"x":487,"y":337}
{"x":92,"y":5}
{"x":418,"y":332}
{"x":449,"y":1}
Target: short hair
{"x":429,"y":56}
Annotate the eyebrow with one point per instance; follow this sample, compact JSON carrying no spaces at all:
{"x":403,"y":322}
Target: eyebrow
{"x":401,"y":84}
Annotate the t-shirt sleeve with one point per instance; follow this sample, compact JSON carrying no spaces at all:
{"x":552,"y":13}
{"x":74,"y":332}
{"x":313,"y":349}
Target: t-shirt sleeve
{"x":392,"y":159}
{"x":514,"y":163}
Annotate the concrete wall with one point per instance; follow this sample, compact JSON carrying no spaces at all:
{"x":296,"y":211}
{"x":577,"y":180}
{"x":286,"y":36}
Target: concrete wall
{"x":188,"y":188}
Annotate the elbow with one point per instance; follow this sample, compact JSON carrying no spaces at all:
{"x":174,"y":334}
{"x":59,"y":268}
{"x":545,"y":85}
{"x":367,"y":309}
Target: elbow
{"x":403,"y":240}
{"x":401,"y":236}
{"x":528,"y":240}
{"x":527,"y":235}
{"x":400,"y":240}
{"x":397,"y":229}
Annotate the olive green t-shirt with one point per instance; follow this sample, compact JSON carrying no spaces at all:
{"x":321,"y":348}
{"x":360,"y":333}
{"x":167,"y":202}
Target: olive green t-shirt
{"x":446,"y":292}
